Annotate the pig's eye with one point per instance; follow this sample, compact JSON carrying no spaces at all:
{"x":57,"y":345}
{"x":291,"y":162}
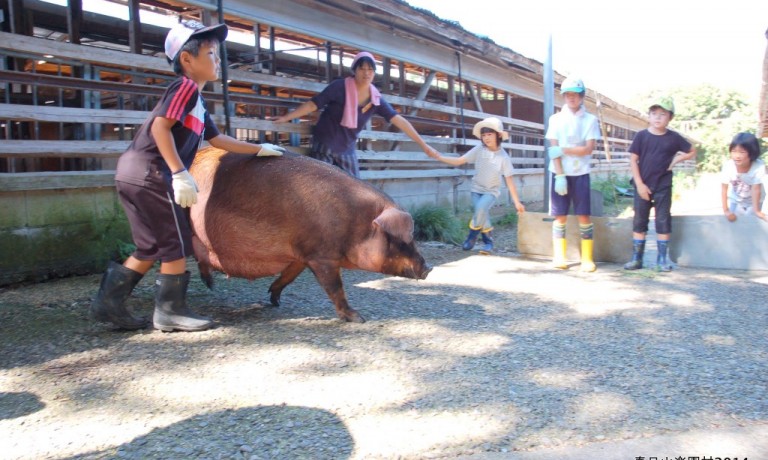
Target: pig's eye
{"x":399,"y":245}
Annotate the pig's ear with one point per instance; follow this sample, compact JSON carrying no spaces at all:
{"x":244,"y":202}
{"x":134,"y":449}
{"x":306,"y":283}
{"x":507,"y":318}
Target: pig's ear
{"x":397,"y":223}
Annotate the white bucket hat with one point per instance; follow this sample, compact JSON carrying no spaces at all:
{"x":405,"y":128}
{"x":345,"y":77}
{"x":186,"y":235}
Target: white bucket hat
{"x":492,"y":123}
{"x":180,"y":34}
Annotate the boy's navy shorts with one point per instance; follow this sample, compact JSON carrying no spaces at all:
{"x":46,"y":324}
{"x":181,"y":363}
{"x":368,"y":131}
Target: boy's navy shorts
{"x":159,"y":226}
{"x":662,"y":201}
{"x":578,"y":193}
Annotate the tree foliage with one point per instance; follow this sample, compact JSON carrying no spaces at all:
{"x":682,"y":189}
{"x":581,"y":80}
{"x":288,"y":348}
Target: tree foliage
{"x":711,"y":116}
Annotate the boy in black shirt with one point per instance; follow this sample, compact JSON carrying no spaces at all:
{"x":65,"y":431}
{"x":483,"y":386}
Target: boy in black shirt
{"x":153,"y":185}
{"x":653,"y":154}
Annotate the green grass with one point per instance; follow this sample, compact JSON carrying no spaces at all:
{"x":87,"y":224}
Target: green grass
{"x":507,"y":220}
{"x":436,"y":223}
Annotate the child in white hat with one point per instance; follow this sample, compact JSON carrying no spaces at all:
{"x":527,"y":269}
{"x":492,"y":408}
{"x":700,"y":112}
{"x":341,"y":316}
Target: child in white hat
{"x":491,"y":163}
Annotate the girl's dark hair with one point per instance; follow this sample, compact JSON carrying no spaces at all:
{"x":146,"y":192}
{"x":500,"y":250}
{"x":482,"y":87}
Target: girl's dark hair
{"x":362,"y":60}
{"x":192,"y":47}
{"x":489,"y":130}
{"x":748,"y":142}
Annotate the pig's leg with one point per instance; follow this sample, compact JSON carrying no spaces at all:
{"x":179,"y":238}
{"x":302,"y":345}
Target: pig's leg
{"x":329,"y":277}
{"x":203,"y":261}
{"x":286,"y":277}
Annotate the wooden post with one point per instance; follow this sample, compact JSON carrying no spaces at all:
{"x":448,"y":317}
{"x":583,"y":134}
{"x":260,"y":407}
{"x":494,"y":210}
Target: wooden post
{"x":18,"y":25}
{"x":258,"y":64}
{"x":328,"y":62}
{"x":224,"y":72}
{"x":386,"y":64}
{"x":272,"y":54}
{"x":475,"y":97}
{"x":452,"y":103}
{"x":134,"y":26}
{"x":424,"y":90}
{"x":16,"y":19}
{"x":74,"y":20}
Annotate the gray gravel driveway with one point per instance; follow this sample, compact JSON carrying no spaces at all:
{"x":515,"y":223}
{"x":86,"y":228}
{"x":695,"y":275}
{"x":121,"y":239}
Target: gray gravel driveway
{"x":490,"y":357}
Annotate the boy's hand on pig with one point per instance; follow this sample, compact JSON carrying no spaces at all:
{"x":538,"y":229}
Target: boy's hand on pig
{"x":184,"y":189}
{"x":270,"y":150}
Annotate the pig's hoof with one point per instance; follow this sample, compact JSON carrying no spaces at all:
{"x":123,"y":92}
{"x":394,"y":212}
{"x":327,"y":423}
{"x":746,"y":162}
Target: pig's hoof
{"x":207,"y":279}
{"x":352,"y":317}
{"x":274,"y":299}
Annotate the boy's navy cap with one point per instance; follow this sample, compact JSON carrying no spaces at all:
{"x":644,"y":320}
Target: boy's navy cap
{"x":180,"y":34}
{"x":665,"y":102}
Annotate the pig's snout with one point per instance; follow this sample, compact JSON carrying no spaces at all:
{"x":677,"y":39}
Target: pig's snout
{"x":419,"y":272}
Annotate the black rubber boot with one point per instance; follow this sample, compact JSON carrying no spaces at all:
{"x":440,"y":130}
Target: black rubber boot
{"x":487,"y":243}
{"x":662,"y":263}
{"x":171,"y":310}
{"x":109,"y":304}
{"x":469,"y":243}
{"x":638,"y":249}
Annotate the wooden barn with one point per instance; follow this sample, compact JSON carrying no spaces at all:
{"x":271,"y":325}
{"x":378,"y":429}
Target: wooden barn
{"x":75,"y":85}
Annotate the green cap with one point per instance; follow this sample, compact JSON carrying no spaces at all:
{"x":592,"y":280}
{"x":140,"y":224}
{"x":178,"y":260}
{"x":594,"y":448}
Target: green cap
{"x":665,"y":102}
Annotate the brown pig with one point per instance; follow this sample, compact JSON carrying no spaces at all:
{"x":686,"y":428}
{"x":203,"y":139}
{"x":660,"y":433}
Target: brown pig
{"x":259,"y":217}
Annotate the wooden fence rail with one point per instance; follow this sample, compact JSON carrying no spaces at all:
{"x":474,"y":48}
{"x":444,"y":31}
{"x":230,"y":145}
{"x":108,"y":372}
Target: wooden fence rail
{"x":14,"y":43}
{"x":527,"y":149}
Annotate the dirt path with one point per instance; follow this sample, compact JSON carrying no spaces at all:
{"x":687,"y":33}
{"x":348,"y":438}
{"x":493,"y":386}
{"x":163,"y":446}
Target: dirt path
{"x":490,"y":357}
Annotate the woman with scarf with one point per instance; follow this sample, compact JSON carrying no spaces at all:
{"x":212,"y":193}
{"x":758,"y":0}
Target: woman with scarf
{"x":348,"y":105}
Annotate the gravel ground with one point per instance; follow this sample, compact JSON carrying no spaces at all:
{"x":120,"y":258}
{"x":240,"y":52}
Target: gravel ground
{"x":491,"y":355}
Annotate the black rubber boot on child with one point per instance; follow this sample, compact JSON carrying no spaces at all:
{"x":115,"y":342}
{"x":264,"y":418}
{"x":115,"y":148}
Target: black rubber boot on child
{"x":469,"y":243}
{"x":109,"y":304}
{"x":171,"y":310}
{"x":487,"y":242}
{"x":662,"y":264}
{"x":638,"y":249}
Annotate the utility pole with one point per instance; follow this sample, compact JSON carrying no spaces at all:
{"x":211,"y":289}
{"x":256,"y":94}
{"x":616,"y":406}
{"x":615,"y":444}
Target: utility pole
{"x":224,"y":73}
{"x":549,"y":109}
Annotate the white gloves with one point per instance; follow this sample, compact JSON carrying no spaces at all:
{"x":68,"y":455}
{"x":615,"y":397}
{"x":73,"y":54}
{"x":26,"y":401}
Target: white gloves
{"x":270,"y":150}
{"x":555,"y":152}
{"x":561,"y":185}
{"x":184,"y":189}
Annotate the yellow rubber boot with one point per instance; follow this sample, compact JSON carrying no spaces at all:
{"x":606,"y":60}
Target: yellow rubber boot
{"x":558,"y":253}
{"x":587,"y":264}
